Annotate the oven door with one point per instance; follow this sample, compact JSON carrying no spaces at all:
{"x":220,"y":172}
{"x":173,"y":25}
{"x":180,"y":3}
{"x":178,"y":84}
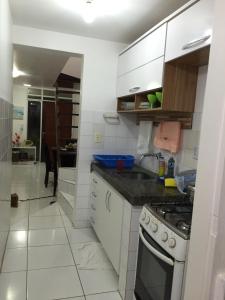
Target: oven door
{"x":159,"y":276}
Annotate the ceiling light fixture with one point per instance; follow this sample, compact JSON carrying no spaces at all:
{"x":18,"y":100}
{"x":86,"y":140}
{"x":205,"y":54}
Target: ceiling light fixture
{"x":16,"y":72}
{"x":93,"y":9}
{"x":89,"y":13}
{"x":27,"y":85}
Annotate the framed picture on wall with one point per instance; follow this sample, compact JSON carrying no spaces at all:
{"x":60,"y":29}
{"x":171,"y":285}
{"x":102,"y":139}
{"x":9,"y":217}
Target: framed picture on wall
{"x":18,"y":112}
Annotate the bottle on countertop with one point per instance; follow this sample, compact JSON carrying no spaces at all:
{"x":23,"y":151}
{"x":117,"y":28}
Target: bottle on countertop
{"x":170,"y":168}
{"x":162,"y":167}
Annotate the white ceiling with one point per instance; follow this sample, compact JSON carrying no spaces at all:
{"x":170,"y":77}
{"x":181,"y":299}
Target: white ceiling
{"x":136,"y":18}
{"x":43,"y":66}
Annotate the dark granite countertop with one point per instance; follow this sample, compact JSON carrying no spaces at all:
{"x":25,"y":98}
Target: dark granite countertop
{"x":138,"y":192}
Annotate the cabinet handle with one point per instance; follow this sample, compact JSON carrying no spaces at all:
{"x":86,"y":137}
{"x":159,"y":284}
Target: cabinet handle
{"x":93,"y":207}
{"x":134,"y":89}
{"x":196,"y":42}
{"x":109,"y":196}
{"x":95,"y":181}
{"x":93,"y":194}
{"x":106,"y":199}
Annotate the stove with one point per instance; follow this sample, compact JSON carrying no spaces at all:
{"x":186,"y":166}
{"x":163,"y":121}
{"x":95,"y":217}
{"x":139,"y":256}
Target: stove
{"x":169,"y":224}
{"x":164,"y":235}
{"x":177,"y":216}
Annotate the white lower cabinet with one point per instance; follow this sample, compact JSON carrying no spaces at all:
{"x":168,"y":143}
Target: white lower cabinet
{"x":107,"y":217}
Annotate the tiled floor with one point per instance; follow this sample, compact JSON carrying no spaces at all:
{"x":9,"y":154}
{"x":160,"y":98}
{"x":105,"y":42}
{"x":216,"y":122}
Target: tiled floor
{"x":46,"y":258}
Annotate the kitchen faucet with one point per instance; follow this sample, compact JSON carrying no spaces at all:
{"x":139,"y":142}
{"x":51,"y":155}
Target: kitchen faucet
{"x":157,"y":155}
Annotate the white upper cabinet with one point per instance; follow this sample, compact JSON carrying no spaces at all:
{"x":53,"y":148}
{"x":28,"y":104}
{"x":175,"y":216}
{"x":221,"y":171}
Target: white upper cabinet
{"x":147,"y":77}
{"x":148,"y":49}
{"x":190,"y":30}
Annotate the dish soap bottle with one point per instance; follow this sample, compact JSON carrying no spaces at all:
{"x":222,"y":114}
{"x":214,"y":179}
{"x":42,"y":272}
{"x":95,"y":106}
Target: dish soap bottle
{"x":171,"y":166}
{"x":162,"y":167}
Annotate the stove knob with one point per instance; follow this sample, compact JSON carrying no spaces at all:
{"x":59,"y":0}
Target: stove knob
{"x":154,"y":227}
{"x":164,"y":236}
{"x":147,"y":221}
{"x":143,"y":216}
{"x":172,"y":243}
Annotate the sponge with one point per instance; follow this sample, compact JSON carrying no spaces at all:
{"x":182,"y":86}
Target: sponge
{"x":170,"y":182}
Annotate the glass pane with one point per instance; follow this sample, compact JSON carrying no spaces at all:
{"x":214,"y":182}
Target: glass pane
{"x":154,"y":277}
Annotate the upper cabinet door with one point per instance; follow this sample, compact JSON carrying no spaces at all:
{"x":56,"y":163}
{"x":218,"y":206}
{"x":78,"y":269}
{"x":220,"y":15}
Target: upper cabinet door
{"x":147,"y":77}
{"x":191,"y":30}
{"x":148,"y":49}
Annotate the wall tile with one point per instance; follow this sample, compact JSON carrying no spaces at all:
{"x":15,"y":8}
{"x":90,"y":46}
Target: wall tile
{"x":5,"y":170}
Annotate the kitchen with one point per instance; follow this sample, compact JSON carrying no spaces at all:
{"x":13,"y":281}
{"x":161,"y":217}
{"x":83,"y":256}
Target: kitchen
{"x":94,"y":105}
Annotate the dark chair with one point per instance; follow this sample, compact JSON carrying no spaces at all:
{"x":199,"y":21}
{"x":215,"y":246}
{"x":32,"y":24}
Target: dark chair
{"x":51,"y":166}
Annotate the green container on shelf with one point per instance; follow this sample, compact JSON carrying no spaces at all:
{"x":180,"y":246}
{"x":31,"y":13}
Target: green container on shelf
{"x":152,"y":100}
{"x":159,"y":96}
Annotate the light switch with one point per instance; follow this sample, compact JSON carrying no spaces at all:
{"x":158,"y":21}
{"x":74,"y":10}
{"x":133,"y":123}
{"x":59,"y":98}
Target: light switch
{"x":98,"y":138}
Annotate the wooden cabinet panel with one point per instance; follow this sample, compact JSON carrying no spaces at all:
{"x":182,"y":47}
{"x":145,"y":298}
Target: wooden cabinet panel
{"x":179,"y":90}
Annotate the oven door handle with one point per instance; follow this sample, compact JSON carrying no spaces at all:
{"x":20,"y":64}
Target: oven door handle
{"x":154,"y":251}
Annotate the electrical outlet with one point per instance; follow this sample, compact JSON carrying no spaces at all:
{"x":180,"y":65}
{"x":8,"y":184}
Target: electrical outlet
{"x":98,"y":138}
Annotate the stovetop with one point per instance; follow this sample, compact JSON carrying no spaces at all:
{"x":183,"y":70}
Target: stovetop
{"x":176,"y":215}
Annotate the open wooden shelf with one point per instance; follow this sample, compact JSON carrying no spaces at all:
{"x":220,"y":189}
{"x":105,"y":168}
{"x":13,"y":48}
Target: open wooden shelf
{"x":179,"y":91}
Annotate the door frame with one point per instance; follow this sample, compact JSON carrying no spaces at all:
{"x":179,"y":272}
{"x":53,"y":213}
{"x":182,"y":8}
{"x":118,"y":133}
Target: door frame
{"x":40,"y":142}
{"x":204,"y":263}
{"x":41,"y":121}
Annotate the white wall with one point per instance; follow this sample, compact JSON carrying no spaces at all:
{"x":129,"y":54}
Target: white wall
{"x":20,"y":99}
{"x":98,"y":93}
{"x":6,"y":51}
{"x":207,"y":249}
{"x":5,"y":121}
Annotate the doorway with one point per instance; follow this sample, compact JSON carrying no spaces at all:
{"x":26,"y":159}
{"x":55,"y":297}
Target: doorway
{"x":48,"y":127}
{"x":34,"y":124}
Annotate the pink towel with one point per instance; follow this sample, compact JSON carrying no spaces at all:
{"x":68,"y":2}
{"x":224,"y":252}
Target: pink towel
{"x":167,"y":136}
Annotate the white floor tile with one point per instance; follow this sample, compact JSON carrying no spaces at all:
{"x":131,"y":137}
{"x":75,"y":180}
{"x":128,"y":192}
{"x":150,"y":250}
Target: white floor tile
{"x":13,"y":286}
{"x":76,"y":298}
{"x":19,"y":223}
{"x":66,"y":221}
{"x":49,"y":256}
{"x":43,"y":208}
{"x":21,"y":211}
{"x":90,"y":256}
{"x":84,"y":235}
{"x":57,"y":283}
{"x":17,"y":239}
{"x":98,"y":281}
{"x":45,"y":237}
{"x":105,"y":296}
{"x":46,"y":222}
{"x":15,"y":260}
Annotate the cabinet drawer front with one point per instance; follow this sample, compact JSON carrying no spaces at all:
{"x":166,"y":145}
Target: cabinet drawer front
{"x":145,"y":78}
{"x":190,"y":31}
{"x":148,"y":49}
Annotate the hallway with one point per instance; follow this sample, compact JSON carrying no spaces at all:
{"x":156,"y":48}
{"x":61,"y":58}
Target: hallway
{"x":46,"y":258}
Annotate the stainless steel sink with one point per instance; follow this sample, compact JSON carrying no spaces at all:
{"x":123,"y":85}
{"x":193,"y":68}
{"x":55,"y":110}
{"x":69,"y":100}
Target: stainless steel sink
{"x":135,"y":175}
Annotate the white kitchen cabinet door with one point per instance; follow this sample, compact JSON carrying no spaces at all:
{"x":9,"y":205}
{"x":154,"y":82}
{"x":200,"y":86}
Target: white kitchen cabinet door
{"x":112,"y":242}
{"x":107,"y":217}
{"x":148,"y":49}
{"x":191,"y":30}
{"x":100,"y":208}
{"x":147,"y":77}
